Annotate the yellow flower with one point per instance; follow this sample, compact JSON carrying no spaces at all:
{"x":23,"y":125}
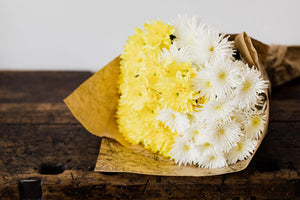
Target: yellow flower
{"x":129,"y":125}
{"x":135,"y":93}
{"x":141,"y":71}
{"x":176,"y":92}
{"x":158,"y":34}
{"x":160,"y":139}
{"x":134,"y":46}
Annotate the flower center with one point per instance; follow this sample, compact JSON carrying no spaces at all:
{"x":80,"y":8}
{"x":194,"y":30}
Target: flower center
{"x":239,"y":146}
{"x":246,"y":86}
{"x":255,"y":121}
{"x":208,"y":84}
{"x":206,"y":144}
{"x":218,"y":107}
{"x":222,"y":76}
{"x":212,"y":158}
{"x":186,"y":147}
{"x":196,"y":132}
{"x":220,"y":131}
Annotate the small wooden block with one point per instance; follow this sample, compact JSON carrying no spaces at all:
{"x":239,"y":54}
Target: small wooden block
{"x":31,"y":189}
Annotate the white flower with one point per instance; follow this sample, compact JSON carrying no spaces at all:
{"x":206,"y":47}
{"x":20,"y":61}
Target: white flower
{"x":212,"y":159}
{"x":211,"y":45}
{"x":244,"y":148}
{"x":254,"y":122}
{"x":224,"y":134}
{"x":247,"y":93}
{"x":196,"y":133}
{"x":240,"y":65}
{"x":238,"y":116}
{"x":225,"y":76}
{"x":203,"y":83}
{"x":226,"y":126}
{"x":217,"y":109}
{"x":186,"y":30}
{"x":177,"y":54}
{"x":184,"y":151}
{"x":174,"y":120}
{"x":204,"y":148}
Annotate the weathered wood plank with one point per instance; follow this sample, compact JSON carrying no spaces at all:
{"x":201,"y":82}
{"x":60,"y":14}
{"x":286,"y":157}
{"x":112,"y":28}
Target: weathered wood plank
{"x":289,"y":90}
{"x":284,"y":110}
{"x":58,"y":113}
{"x":280,"y":148}
{"x":54,"y":86}
{"x":36,"y":113}
{"x":78,"y":184}
{"x":25,"y":147}
{"x":28,"y":86}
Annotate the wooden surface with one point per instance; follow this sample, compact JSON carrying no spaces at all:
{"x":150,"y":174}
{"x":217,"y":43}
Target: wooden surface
{"x":41,"y":140}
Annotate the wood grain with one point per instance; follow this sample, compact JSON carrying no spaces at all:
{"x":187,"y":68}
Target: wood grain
{"x":40,"y":131}
{"x":46,"y":87}
{"x":74,"y":184}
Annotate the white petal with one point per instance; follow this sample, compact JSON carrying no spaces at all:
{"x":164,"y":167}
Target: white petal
{"x":175,"y":121}
{"x":213,"y":159}
{"x":224,"y":134}
{"x":241,"y":151}
{"x":184,"y":151}
{"x":247,"y":92}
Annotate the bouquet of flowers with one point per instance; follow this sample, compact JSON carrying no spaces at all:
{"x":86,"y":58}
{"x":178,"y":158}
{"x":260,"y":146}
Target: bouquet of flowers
{"x":186,"y":95}
{"x":182,"y":99}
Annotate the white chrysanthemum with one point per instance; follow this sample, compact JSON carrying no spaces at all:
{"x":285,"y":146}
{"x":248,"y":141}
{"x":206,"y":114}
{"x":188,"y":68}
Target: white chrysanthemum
{"x":251,"y":85}
{"x":196,"y":133}
{"x":224,"y":134}
{"x":186,"y":30}
{"x":204,"y":148}
{"x":225,"y":76}
{"x":254,"y":122}
{"x":177,"y":54}
{"x":203,"y":83}
{"x":244,"y":148}
{"x":174,"y":120}
{"x":240,"y":65}
{"x":217,"y":109}
{"x":238,"y":116}
{"x":184,"y":151}
{"x":212,"y":159}
{"x":199,"y":119}
{"x":211,"y":45}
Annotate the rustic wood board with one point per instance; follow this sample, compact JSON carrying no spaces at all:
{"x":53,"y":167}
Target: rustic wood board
{"x":37,"y":130}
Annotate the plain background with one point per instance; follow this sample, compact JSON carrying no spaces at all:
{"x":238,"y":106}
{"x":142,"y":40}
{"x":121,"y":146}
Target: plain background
{"x":87,"y":34}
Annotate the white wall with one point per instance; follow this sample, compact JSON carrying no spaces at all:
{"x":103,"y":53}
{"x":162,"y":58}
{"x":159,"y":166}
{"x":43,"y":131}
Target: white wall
{"x":87,"y":34}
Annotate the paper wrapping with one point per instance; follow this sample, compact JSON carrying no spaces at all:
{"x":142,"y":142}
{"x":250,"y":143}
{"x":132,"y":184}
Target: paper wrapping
{"x":283,"y":64}
{"x":94,"y":104}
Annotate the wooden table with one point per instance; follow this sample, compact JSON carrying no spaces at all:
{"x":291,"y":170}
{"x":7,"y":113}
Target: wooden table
{"x":45,"y":153}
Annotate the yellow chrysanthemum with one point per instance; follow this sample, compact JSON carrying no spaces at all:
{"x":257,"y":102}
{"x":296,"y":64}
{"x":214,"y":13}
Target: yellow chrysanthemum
{"x":176,"y":92}
{"x":144,"y":88}
{"x":158,"y":34}
{"x":133,"y":46}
